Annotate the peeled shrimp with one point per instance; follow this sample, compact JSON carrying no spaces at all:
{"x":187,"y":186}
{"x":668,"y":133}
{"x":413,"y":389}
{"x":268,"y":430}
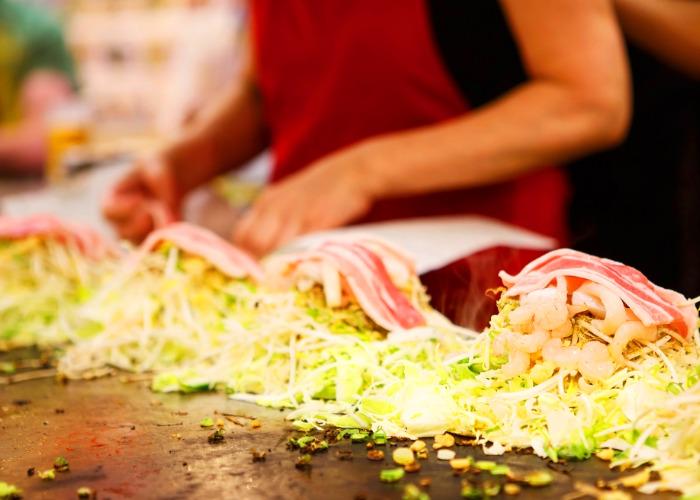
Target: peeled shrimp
{"x":594,"y":361}
{"x":529,"y":343}
{"x":563,"y":331}
{"x":614,"y":308}
{"x":562,"y":356}
{"x":521,"y":318}
{"x":581,"y":301}
{"x":626,"y":333}
{"x":332,"y":290}
{"x":499,"y":346}
{"x":548,"y":306}
{"x":307,"y":274}
{"x":518,"y":363}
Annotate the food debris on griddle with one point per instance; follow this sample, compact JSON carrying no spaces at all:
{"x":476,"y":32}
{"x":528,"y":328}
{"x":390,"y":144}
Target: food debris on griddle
{"x":443,"y":441}
{"x":491,"y":488}
{"x":418,"y":446}
{"x":303,"y":462}
{"x":461,"y":464}
{"x":470,"y":490}
{"x":47,"y":475}
{"x":344,"y":454}
{"x":511,"y":489}
{"x":7,"y":367}
{"x":308,"y":444}
{"x":258,"y":456}
{"x":412,"y":467}
{"x":413,"y":492}
{"x":535,"y":478}
{"x":86,"y":493}
{"x":9,"y":491}
{"x":61,"y":464}
{"x":216,"y":437}
{"x":391,"y":475}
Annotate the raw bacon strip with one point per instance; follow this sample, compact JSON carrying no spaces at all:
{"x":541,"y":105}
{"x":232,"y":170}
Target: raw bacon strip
{"x":369,"y":281}
{"x":386,"y":251}
{"x":88,"y":241}
{"x":653,"y":305}
{"x":400,"y":266}
{"x":199,"y":241}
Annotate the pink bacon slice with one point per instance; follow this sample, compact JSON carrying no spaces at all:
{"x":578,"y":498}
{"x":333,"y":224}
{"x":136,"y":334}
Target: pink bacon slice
{"x":370,"y":283}
{"x":201,"y":242}
{"x":88,"y":241}
{"x":386,"y":250}
{"x":653,"y":305}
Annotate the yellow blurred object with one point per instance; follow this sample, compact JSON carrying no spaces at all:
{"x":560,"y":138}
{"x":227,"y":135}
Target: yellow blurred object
{"x":63,"y":139}
{"x":68,"y":138}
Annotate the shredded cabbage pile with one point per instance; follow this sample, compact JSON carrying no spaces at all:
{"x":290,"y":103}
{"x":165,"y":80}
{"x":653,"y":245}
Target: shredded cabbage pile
{"x":439,"y":379}
{"x":172,"y":309}
{"x":43,"y":282}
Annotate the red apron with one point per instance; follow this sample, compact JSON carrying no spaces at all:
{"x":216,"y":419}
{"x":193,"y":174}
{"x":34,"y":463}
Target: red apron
{"x":334,"y":72}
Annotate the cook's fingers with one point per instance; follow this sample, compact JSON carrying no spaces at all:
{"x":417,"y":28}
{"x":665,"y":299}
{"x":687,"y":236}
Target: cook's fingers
{"x":121,"y":206}
{"x":136,"y":228}
{"x":131,"y":182}
{"x":290,"y":229}
{"x":161,"y":214}
{"x":257,"y":231}
{"x":161,"y":184}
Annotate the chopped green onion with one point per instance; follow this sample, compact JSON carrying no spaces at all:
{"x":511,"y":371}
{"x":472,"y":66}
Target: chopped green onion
{"x":485,"y":464}
{"x":391,"y":475}
{"x":500,"y":470}
{"x":413,"y":492}
{"x":61,"y":464}
{"x":9,"y":491}
{"x":48,"y":475}
{"x":538,"y":478}
{"x":471,"y":491}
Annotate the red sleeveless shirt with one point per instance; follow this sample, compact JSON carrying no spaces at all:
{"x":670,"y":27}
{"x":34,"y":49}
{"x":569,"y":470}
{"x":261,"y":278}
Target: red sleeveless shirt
{"x":334,"y":72}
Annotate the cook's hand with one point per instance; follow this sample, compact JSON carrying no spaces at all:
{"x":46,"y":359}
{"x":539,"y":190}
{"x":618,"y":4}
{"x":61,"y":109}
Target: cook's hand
{"x":143,"y":199}
{"x":329,"y":193}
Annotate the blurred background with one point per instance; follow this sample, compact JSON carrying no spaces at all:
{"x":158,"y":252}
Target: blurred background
{"x":141,"y":69}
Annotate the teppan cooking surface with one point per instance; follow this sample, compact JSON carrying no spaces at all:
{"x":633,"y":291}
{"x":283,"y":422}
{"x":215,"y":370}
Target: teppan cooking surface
{"x":124,"y":441}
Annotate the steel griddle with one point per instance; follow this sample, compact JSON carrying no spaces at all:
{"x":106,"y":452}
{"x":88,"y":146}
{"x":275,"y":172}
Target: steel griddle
{"x":124,"y":441}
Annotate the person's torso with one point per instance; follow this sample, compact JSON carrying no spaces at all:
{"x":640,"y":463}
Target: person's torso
{"x":333,"y":73}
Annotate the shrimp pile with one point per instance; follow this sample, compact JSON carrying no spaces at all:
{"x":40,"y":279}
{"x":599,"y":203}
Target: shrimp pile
{"x":584,"y":325}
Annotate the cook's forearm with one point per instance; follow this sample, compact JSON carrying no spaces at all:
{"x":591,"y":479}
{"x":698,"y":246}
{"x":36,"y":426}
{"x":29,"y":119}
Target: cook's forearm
{"x":670,"y":29}
{"x":540,"y":123}
{"x":224,"y":138}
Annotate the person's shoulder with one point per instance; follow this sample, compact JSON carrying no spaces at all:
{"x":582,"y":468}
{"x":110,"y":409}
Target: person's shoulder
{"x":29,"y":18}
